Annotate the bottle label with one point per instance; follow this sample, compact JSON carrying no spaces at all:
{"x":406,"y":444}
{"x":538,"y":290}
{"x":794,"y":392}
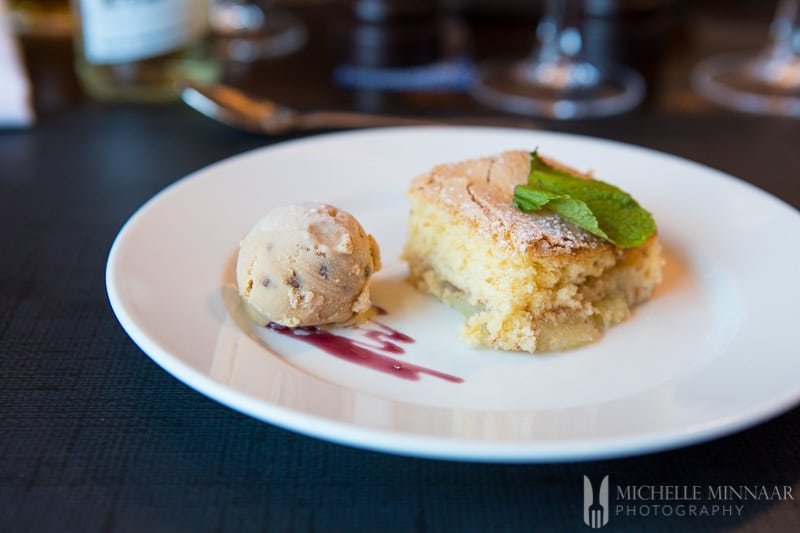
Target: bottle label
{"x":117,"y":31}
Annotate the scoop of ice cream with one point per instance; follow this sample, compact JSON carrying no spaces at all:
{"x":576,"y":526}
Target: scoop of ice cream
{"x":306,"y":265}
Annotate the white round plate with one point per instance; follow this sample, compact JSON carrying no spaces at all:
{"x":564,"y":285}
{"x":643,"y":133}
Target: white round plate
{"x":713,"y":352}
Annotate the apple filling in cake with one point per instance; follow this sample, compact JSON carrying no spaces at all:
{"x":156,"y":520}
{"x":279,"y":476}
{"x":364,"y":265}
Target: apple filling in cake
{"x":531,"y":282}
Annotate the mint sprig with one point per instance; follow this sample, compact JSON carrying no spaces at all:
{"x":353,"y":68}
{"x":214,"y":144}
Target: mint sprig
{"x":598,"y":207}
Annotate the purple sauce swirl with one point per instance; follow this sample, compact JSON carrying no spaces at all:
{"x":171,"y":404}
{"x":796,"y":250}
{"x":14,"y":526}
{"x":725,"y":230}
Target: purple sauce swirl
{"x":386,"y":340}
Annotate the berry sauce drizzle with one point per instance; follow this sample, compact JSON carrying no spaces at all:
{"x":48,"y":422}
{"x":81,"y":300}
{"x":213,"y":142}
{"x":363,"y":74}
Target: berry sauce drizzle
{"x":386,"y":337}
{"x":369,"y":355}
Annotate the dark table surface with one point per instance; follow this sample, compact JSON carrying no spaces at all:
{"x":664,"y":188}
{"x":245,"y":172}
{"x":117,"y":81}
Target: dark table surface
{"x":96,"y":437}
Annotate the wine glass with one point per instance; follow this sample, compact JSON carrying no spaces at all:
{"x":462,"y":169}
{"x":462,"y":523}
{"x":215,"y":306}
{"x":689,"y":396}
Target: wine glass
{"x":555,"y":81}
{"x":248,"y":30}
{"x":767,"y":81}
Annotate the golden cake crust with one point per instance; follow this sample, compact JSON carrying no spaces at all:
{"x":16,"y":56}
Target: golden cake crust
{"x":530,"y":282}
{"x":481,"y":190}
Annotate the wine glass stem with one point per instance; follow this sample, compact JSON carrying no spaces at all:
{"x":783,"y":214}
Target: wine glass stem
{"x":549,"y":31}
{"x":785,"y":29}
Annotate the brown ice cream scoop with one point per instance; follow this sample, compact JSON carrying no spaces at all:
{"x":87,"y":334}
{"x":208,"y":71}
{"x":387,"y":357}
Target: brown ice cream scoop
{"x":306,"y":265}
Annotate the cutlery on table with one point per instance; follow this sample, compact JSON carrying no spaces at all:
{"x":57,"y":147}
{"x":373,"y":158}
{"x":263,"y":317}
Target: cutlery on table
{"x":240,"y":110}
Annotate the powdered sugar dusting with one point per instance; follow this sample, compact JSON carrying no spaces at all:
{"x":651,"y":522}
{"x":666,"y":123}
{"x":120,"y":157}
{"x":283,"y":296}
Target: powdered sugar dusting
{"x":482,"y":190}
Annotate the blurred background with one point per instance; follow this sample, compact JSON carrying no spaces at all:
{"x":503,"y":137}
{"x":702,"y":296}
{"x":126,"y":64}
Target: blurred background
{"x":419,"y":57}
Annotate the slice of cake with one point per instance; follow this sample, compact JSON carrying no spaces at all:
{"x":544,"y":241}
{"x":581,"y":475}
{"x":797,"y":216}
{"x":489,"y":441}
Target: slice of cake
{"x":525,"y":281}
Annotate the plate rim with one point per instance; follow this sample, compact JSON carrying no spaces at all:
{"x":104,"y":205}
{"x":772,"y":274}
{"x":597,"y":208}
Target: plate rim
{"x":427,"y":446}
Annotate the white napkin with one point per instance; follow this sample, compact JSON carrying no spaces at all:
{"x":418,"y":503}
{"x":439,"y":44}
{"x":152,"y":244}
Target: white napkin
{"x":15,"y":89}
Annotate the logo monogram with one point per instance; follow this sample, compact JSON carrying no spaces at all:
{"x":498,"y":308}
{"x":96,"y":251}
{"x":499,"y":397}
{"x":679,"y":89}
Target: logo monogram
{"x":595,"y":505}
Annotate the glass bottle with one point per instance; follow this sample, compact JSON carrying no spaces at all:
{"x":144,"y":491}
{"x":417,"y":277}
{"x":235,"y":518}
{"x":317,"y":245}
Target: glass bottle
{"x":142,"y":50}
{"x":41,"y":18}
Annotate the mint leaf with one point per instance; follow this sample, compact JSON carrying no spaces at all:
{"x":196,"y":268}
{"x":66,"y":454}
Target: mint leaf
{"x":529,"y":199}
{"x":626,"y":224}
{"x":579,"y":213}
{"x":598,"y":207}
